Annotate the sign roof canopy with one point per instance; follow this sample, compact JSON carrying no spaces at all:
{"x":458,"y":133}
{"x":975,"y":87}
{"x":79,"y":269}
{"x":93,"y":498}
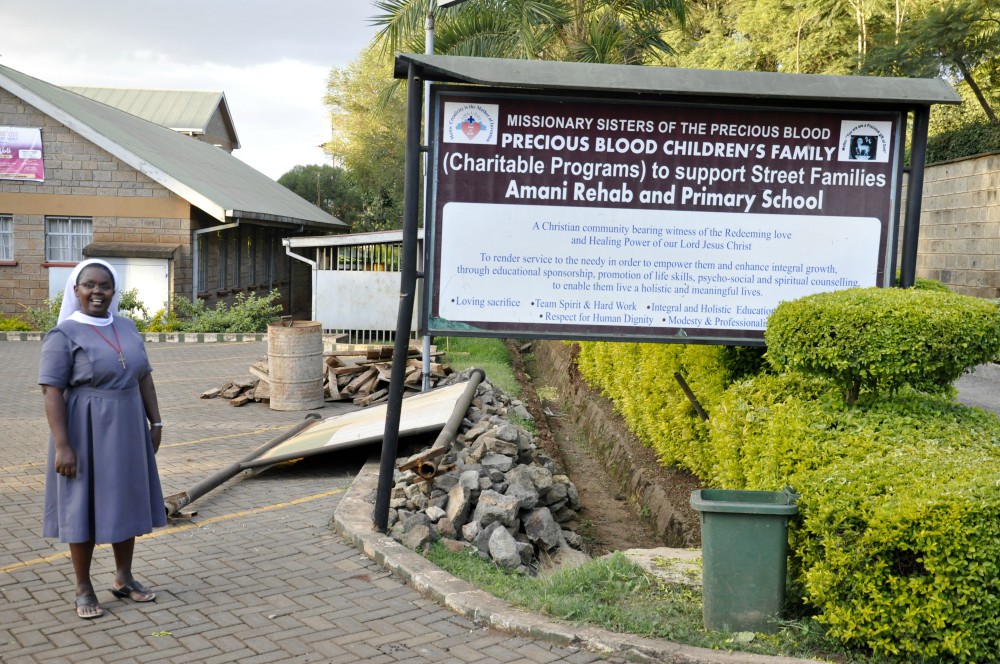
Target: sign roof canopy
{"x":749,"y":86}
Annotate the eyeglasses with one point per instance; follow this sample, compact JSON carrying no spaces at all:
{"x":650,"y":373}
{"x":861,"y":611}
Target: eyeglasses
{"x":105,"y":286}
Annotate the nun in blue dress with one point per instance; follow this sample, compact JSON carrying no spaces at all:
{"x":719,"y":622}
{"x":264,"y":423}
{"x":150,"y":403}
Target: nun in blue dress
{"x":101,"y":483}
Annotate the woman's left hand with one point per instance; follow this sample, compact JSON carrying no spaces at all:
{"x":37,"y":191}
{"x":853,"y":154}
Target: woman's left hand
{"x":157,"y":434}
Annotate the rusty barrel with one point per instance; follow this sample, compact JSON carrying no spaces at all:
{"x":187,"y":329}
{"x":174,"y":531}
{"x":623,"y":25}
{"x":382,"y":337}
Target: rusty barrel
{"x":295,"y":364}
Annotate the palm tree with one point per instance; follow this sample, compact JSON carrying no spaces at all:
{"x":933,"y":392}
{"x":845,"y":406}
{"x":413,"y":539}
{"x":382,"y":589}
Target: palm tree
{"x":607,"y":31}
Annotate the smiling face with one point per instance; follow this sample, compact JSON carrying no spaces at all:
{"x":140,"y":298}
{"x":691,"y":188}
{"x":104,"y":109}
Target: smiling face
{"x":94,"y":288}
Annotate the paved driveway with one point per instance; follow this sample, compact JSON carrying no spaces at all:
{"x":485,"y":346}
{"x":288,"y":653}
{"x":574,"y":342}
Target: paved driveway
{"x":257,"y":576}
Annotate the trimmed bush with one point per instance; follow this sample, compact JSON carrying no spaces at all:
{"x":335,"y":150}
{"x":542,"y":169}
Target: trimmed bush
{"x":880,"y":339}
{"x":45,"y":317}
{"x":965,"y":141}
{"x":13,"y":324}
{"x":248,"y":313}
{"x":746,"y":453}
{"x":913,"y":571}
{"x":897,"y":543}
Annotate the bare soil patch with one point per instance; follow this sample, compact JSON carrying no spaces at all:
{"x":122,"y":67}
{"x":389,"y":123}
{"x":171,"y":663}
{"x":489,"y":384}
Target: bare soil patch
{"x":611,"y":518}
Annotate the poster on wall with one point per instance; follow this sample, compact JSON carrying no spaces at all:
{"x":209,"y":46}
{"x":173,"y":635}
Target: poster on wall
{"x":21,"y":154}
{"x":582,"y":218}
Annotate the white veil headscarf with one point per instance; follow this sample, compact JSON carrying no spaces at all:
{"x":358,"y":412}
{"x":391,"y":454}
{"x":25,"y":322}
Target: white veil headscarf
{"x":70,"y":308}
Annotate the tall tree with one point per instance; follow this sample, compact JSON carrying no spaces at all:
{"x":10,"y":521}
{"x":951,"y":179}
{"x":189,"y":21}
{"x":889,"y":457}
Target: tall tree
{"x":812,"y":37}
{"x":952,"y":38}
{"x":369,"y":132}
{"x":610,"y":31}
{"x":328,"y":187}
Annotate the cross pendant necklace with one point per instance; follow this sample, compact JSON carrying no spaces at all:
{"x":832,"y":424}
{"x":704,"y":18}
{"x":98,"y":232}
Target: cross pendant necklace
{"x":118,"y":348}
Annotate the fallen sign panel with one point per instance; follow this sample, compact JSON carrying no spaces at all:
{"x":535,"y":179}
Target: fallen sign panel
{"x":423,"y":412}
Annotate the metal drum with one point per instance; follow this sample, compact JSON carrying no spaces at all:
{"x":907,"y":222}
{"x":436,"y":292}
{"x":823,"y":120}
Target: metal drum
{"x":295,"y":364}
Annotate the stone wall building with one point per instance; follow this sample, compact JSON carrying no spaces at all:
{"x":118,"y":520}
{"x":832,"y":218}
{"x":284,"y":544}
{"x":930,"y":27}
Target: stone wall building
{"x":175,"y":215}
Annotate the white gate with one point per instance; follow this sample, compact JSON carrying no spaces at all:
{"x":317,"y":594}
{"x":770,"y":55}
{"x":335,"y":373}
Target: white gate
{"x":356,"y":280}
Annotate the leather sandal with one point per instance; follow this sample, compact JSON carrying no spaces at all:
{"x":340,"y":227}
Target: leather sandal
{"x":134,"y":591}
{"x":87,"y":606}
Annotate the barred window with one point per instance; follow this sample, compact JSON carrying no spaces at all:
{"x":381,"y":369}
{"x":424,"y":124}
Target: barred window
{"x":233,"y":256}
{"x":269,"y":258}
{"x":202,"y":262}
{"x":221,"y":260}
{"x":6,"y":237}
{"x":252,"y":246}
{"x":65,"y":238}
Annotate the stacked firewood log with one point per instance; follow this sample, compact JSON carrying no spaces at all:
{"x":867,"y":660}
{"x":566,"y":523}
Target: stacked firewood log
{"x":361,"y":376}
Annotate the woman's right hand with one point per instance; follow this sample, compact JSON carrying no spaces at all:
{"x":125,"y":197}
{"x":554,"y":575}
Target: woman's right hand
{"x":64,"y":458}
{"x":65,"y":461}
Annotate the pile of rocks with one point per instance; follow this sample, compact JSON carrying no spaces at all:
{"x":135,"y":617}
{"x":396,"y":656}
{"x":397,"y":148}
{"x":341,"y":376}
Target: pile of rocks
{"x":495,"y":490}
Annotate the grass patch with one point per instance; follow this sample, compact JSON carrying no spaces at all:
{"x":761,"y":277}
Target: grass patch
{"x":490,"y":355}
{"x":614,"y":593}
{"x":527,"y":425}
{"x":547,"y":393}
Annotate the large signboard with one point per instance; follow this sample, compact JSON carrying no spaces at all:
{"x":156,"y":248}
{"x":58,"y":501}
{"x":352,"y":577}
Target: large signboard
{"x":21,"y":154}
{"x":587,"y":218}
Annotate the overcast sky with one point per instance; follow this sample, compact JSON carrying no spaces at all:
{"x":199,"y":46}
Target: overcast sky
{"x":270,"y":57}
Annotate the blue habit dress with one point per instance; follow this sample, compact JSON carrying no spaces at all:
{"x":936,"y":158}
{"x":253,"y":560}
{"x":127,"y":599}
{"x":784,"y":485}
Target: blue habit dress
{"x":116,"y":493}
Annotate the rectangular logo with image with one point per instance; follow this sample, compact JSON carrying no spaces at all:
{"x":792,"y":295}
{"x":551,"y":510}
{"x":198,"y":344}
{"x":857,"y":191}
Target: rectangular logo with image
{"x":862,"y":140}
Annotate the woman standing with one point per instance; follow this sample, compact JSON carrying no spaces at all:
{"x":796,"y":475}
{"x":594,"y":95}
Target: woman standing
{"x":101,"y":480}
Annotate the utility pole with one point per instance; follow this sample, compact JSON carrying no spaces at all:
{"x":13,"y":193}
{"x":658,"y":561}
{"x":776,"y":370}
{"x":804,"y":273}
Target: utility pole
{"x":428,"y":50}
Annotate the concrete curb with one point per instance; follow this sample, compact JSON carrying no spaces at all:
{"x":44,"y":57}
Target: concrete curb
{"x":161,"y":337}
{"x":352,"y":520}
{"x":330,"y":341}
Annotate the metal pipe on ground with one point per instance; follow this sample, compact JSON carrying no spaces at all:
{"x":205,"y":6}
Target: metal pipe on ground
{"x":176,"y":502}
{"x":444,"y":438}
{"x":424,"y":464}
{"x":450,"y":430}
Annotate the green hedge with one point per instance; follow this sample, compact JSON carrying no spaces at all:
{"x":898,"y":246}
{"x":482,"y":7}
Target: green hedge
{"x":639,"y":379}
{"x":965,"y":141}
{"x":897,"y":543}
{"x":880,"y":339}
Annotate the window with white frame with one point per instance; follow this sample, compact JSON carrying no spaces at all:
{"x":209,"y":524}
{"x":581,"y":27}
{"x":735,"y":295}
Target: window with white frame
{"x":6,"y":237}
{"x":65,"y":238}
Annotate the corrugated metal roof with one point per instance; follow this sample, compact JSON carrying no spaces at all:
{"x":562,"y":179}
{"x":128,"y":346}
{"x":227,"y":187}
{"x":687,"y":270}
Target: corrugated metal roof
{"x":675,"y":82}
{"x":180,"y":110}
{"x":207,"y":177}
{"x":372,"y":237}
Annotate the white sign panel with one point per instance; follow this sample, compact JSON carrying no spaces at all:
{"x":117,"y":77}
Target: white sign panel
{"x":533,"y":264}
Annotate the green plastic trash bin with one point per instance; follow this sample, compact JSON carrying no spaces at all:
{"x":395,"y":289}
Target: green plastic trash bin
{"x":744,"y":547}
